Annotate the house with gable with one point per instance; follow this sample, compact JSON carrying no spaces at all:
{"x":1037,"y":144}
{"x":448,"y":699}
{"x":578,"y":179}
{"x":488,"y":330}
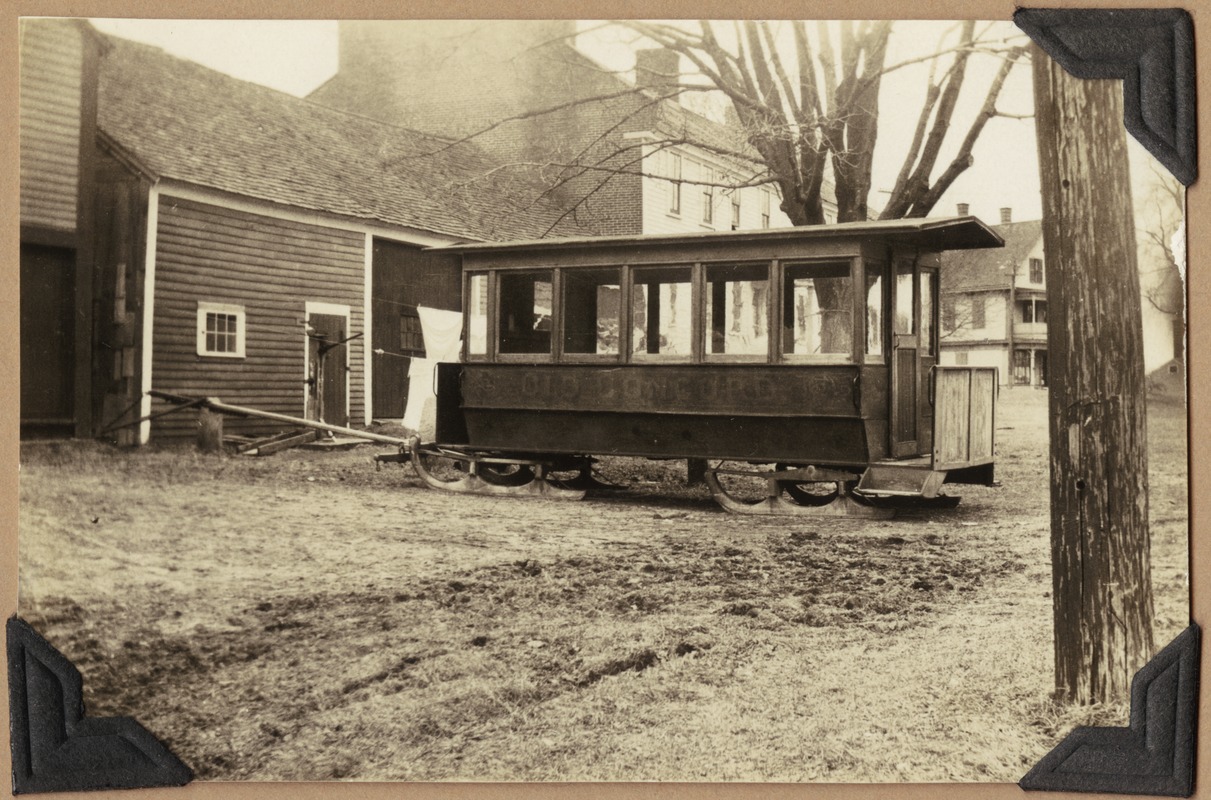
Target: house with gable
{"x":248,"y":244}
{"x":994,"y":308}
{"x":625,"y":157}
{"x":994,"y":305}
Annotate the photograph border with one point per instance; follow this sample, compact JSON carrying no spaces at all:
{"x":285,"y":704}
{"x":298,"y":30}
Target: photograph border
{"x":1199,"y":293}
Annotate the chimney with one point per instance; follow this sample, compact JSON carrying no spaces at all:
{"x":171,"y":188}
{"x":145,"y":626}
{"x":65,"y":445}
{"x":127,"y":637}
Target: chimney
{"x":964,"y":209}
{"x":658,"y":69}
{"x":1006,"y":216}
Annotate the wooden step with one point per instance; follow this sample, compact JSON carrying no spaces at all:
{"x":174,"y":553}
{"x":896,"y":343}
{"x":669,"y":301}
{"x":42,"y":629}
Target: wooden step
{"x":886,"y":480}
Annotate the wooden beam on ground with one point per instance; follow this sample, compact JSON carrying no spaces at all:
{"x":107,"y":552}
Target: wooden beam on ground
{"x":285,"y":444}
{"x":241,"y":411}
{"x":261,"y":441}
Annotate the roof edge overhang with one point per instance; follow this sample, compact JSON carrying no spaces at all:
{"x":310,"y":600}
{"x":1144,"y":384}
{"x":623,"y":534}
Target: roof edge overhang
{"x":949,"y":233}
{"x":176,"y":187}
{"x":125,"y":157}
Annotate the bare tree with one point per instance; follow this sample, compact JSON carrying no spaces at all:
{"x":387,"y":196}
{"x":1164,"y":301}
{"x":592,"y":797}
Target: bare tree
{"x":817,"y":105}
{"x":806,"y":103}
{"x":1162,"y":281}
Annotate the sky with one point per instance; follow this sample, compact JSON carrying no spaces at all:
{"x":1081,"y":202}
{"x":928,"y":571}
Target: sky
{"x":298,"y":56}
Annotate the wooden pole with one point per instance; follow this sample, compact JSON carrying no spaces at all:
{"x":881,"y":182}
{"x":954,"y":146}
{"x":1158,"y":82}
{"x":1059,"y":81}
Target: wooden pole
{"x":1101,"y":568}
{"x":242,"y":411}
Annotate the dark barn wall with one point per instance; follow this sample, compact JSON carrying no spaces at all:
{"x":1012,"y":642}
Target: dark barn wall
{"x":272,"y":267}
{"x":47,"y":334}
{"x":58,"y":86}
{"x":121,"y":238}
{"x":404,"y":277}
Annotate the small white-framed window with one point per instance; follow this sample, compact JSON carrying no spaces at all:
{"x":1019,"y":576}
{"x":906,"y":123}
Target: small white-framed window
{"x":765,"y":205}
{"x":220,"y":330}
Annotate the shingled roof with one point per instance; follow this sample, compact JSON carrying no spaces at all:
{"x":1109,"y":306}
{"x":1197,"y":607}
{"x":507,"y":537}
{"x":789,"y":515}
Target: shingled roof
{"x":186,"y":122}
{"x":978,"y":270}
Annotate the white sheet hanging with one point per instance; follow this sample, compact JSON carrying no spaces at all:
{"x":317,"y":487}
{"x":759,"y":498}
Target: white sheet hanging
{"x":440,"y":330}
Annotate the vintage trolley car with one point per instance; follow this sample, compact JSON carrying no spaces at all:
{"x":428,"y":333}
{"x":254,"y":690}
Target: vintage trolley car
{"x":811,"y":352}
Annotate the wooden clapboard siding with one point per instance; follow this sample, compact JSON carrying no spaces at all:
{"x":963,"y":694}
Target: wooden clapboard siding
{"x":272,"y":267}
{"x":52,"y":55}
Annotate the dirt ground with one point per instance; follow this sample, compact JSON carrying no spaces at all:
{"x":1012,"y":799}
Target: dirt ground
{"x":306,"y":616}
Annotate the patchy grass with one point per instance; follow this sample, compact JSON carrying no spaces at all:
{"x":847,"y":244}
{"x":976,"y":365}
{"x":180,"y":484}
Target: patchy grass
{"x":308,"y":617}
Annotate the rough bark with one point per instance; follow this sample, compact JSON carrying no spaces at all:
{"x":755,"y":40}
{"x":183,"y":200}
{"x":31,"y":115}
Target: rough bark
{"x":1099,"y":494}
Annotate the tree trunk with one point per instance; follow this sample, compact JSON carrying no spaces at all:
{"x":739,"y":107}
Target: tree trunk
{"x":1101,"y":569}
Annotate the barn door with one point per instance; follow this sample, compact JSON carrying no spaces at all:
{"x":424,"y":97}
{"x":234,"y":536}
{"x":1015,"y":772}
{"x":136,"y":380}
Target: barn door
{"x":327,"y":361}
{"x":47,"y":335}
{"x":905,"y":360}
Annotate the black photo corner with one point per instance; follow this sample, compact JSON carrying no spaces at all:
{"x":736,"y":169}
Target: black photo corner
{"x":56,"y":747}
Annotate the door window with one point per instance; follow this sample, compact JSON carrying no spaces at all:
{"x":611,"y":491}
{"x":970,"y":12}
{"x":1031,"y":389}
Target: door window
{"x":927,"y":281}
{"x":874,"y":311}
{"x":905,"y":320}
{"x":477,"y":314}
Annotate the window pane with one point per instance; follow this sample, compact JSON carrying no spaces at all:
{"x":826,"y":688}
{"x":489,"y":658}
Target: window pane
{"x":220,"y":332}
{"x":927,"y":282}
{"x":525,"y":312}
{"x":874,"y":311}
{"x":1036,"y":270}
{"x":905,"y":319}
{"x":1040,"y":310}
{"x":737,"y":299}
{"x":477,"y":315}
{"x":818,"y":303}
{"x":411,"y":341}
{"x":1021,"y":366}
{"x":591,"y":310}
{"x":662,"y":312}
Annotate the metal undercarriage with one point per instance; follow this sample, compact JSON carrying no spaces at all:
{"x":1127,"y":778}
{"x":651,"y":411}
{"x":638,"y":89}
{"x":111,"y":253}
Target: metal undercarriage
{"x":783,"y":491}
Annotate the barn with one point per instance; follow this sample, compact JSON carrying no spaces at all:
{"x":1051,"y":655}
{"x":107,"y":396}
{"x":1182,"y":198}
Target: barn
{"x":260,"y":248}
{"x":57,"y":129}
